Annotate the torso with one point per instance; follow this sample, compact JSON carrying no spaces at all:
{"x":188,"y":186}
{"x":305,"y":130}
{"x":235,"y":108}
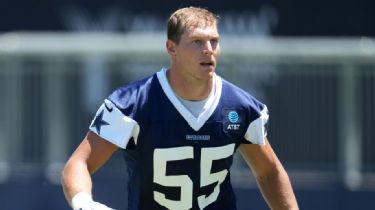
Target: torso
{"x":178,"y":161}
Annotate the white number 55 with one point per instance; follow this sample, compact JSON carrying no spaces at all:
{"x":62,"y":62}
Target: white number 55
{"x":208,"y":155}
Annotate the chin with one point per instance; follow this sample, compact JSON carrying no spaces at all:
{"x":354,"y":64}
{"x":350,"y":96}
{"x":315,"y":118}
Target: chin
{"x":209,"y":69}
{"x":209,"y":75}
{"x":206,"y":73}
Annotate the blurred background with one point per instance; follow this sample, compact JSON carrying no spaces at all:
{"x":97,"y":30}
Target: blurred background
{"x":311,"y":62}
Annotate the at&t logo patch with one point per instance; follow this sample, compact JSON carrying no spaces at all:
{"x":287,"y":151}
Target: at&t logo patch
{"x":233,"y":117}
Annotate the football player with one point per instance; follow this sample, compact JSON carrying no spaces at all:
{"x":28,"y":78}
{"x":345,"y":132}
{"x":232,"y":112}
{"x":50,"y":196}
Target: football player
{"x":179,"y":129}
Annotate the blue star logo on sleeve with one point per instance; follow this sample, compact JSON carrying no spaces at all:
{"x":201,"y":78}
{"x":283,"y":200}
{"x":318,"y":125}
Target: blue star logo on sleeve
{"x":99,"y":122}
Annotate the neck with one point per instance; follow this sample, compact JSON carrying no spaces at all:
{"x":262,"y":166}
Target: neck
{"x":189,"y":88}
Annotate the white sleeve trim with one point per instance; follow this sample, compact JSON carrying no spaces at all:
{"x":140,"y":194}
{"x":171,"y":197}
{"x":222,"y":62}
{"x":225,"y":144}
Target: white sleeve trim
{"x":115,"y":127}
{"x":256,"y":132}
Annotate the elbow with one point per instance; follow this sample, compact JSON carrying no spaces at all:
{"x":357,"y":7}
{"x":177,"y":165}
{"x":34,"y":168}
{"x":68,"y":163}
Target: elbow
{"x":277,"y":190}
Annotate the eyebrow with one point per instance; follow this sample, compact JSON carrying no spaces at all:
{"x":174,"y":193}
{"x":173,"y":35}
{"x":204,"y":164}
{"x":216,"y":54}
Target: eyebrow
{"x":204,"y":36}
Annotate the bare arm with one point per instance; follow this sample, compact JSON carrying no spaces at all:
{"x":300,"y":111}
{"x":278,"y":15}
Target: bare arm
{"x":271,"y":176}
{"x":90,"y":155}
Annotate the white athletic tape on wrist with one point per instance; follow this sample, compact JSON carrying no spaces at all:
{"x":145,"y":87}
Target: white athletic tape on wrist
{"x":82,"y":200}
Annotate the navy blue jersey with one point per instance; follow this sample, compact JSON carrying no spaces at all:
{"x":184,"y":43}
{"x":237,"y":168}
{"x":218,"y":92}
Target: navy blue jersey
{"x":176,"y":160}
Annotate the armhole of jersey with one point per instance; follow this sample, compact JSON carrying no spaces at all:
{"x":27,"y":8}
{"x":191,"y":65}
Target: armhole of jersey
{"x":257,"y":130}
{"x":112,"y":125}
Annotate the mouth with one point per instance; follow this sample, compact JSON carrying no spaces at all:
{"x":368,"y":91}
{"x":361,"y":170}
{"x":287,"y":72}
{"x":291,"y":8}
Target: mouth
{"x":207,"y":64}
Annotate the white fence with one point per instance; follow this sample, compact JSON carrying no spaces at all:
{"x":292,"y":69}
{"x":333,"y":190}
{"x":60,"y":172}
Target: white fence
{"x":320,"y":92}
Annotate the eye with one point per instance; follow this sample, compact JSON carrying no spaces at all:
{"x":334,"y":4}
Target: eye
{"x":214,"y":41}
{"x":197,"y":42}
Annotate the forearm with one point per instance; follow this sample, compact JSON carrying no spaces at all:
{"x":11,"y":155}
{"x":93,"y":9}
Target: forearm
{"x":75,"y":178}
{"x":277,"y":191}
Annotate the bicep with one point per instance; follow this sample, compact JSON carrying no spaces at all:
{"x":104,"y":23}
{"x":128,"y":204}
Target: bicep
{"x":261,"y":159}
{"x":94,"y":151}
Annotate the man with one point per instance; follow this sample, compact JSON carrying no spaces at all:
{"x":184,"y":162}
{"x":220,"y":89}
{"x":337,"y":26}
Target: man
{"x":179,"y":129}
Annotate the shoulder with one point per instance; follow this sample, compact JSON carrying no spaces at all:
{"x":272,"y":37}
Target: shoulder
{"x":129,"y":94}
{"x":235,"y":94}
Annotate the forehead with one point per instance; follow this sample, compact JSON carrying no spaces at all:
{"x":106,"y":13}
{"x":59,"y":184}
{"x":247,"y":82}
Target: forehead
{"x":201,"y":31}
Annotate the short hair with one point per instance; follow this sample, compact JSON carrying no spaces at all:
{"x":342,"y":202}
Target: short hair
{"x":187,"y":17}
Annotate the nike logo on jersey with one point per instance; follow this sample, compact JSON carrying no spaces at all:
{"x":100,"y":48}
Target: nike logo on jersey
{"x":108,"y":107}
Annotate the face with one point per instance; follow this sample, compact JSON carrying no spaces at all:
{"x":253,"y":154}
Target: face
{"x":196,"y":54}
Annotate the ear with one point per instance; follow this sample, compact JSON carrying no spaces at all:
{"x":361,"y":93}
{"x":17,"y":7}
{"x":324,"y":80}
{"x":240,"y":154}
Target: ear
{"x":171,"y":47}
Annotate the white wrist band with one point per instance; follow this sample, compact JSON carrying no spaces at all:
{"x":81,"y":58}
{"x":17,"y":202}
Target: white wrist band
{"x":81,"y":200}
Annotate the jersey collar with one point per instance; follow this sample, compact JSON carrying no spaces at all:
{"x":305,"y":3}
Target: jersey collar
{"x":195,"y":122}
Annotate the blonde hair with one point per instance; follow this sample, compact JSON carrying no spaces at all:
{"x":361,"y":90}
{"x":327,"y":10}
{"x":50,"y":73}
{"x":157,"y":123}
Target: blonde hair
{"x":187,"y":17}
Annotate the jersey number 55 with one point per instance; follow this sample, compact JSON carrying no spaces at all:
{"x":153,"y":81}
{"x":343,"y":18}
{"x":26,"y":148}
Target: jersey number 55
{"x":208,"y":155}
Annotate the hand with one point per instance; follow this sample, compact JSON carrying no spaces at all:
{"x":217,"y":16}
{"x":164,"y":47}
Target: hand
{"x":83,"y":201}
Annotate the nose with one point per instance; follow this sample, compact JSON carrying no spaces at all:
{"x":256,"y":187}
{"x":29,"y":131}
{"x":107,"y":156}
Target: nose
{"x":208,"y":50}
